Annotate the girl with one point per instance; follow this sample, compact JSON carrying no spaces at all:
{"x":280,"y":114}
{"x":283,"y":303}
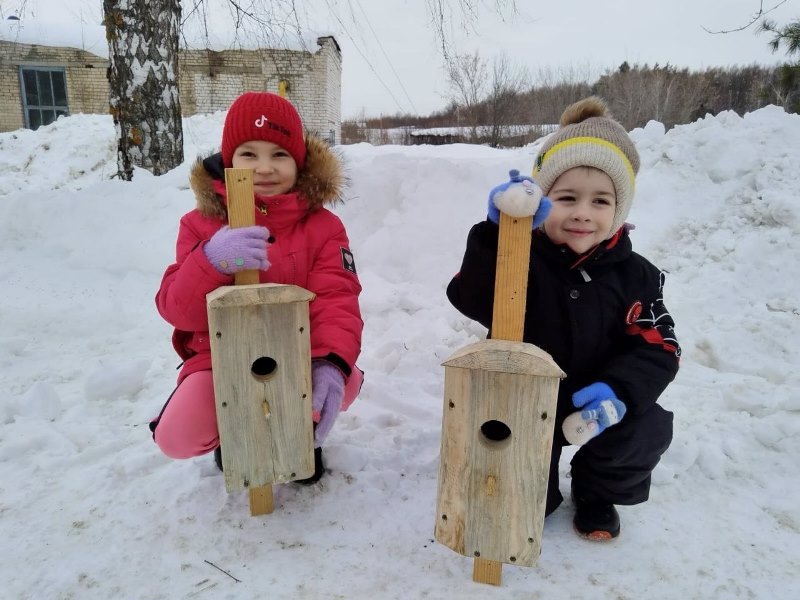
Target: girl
{"x":295,"y":241}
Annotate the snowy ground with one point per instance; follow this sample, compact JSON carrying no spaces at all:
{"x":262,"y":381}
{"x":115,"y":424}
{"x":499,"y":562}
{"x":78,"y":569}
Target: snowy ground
{"x":91,"y":510}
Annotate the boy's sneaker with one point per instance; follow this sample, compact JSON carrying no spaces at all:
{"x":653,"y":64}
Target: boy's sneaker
{"x":594,"y":519}
{"x":319,"y":469}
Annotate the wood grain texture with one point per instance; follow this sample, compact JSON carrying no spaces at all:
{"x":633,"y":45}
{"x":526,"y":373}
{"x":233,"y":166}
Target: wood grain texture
{"x":241,"y":211}
{"x":505,"y":357}
{"x":511,"y":281}
{"x":492,"y":491}
{"x":260,"y":351}
{"x":497,"y":428}
{"x":487,"y":571}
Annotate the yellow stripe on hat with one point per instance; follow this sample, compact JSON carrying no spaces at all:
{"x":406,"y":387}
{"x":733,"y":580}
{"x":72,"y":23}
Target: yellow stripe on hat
{"x":588,"y":140}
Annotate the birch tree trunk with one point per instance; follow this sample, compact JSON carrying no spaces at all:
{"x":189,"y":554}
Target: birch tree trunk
{"x":143,"y":79}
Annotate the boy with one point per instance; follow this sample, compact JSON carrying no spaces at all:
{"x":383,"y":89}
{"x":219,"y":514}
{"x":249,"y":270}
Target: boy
{"x":596,"y":306}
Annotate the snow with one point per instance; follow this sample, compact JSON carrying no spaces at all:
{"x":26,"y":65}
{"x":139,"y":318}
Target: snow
{"x":91,"y":509}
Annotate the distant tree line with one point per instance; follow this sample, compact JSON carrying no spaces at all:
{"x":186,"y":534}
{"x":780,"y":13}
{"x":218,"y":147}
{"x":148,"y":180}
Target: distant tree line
{"x":636,"y":94}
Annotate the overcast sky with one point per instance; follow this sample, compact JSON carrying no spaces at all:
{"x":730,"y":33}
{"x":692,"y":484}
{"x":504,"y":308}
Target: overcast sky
{"x":392,"y":61}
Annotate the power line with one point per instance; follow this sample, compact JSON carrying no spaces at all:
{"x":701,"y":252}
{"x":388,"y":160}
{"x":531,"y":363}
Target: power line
{"x":369,"y":64}
{"x":391,"y":66}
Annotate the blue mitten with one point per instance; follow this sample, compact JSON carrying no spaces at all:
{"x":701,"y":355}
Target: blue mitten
{"x":520,"y":196}
{"x":599,"y":409}
{"x":327,"y":393}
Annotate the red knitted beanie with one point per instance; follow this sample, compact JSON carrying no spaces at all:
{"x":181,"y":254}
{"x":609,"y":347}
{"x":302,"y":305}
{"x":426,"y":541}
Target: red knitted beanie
{"x":263,"y":116}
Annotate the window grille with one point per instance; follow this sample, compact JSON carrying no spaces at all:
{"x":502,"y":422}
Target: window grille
{"x":44,"y":95}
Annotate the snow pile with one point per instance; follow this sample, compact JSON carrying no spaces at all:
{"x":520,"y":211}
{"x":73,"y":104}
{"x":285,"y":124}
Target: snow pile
{"x":90,"y":509}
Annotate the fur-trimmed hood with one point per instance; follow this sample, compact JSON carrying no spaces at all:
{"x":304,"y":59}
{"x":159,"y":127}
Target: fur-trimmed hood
{"x":320,"y":182}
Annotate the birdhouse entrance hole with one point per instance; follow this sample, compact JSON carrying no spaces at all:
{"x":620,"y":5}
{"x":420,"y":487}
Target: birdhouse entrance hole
{"x":264,"y":368}
{"x":495,"y":434}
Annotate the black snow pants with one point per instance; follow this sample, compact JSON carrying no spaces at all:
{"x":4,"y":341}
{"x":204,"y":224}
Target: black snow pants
{"x":615,"y":466}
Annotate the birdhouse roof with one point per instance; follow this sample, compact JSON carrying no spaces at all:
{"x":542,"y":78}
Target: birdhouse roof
{"x":506,"y":357}
{"x":259,"y":293}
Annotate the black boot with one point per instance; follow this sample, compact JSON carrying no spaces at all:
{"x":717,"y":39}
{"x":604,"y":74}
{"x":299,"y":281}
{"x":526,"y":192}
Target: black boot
{"x":218,"y":457}
{"x":594,"y":519}
{"x":319,"y":469}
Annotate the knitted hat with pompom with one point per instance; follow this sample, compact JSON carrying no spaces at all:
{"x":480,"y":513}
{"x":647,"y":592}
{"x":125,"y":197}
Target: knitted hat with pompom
{"x":267,"y":117}
{"x":589,"y":137}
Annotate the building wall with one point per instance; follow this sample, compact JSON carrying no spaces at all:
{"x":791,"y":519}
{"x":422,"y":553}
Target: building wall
{"x":329,"y":82}
{"x":87,"y":86}
{"x":208,"y":81}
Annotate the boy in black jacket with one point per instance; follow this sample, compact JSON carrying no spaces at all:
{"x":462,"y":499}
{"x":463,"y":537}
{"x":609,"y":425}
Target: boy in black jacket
{"x":597,"y":308}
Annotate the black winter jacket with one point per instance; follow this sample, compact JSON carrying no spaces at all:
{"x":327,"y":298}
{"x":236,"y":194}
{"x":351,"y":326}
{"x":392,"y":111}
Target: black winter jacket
{"x":601,"y":316}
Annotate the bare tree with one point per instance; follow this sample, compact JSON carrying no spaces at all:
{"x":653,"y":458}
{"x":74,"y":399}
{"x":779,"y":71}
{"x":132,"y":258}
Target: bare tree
{"x":760,"y":13}
{"x":445,"y":13}
{"x":556,"y":89}
{"x":466,"y":74}
{"x":143,"y":38}
{"x":508,"y":82}
{"x":143,"y":81}
{"x":143,"y":43}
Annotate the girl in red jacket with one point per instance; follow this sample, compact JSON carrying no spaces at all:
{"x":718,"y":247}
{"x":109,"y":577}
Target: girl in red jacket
{"x":295,"y":241}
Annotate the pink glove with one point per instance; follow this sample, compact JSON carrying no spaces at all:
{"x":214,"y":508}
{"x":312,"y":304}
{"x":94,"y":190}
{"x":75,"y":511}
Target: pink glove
{"x":241,"y":249}
{"x":327,"y":393}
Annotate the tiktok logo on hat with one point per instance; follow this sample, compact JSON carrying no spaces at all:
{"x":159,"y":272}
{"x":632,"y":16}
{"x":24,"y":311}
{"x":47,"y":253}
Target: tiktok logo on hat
{"x":261,"y":121}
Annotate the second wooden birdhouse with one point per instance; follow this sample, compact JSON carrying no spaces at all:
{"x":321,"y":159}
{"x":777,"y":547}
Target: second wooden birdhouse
{"x":260,"y":351}
{"x":499,"y":410}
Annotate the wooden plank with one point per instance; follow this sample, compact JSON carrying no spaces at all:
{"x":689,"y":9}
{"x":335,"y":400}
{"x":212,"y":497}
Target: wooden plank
{"x":508,"y":476}
{"x":487,"y":571}
{"x":262,"y":293}
{"x":511,"y":281}
{"x":241,"y":213}
{"x":262,"y":380}
{"x":499,"y":415}
{"x":453,"y":489}
{"x":261,"y":500}
{"x":505,"y":357}
{"x":492,"y":493}
{"x":510,"y":292}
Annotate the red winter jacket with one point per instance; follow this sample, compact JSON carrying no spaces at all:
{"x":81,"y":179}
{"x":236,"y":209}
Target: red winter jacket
{"x":308,"y":248}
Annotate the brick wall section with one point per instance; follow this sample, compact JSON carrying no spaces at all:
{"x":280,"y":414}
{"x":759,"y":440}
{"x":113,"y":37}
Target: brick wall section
{"x":87,"y":86}
{"x":209,"y":81}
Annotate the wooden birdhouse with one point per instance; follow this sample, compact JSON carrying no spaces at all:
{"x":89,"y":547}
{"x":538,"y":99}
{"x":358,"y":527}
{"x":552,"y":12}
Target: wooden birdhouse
{"x":261,"y":360}
{"x":500,"y":400}
{"x":497,"y":431}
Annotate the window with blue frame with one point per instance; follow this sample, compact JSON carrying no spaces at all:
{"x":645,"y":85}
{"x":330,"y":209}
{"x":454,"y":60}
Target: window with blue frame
{"x":44,"y":95}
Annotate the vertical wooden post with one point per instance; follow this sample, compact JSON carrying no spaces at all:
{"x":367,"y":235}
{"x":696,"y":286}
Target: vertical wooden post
{"x":241,"y":213}
{"x":508,"y":320}
{"x":498,"y":418}
{"x":487,"y":571}
{"x":511,"y":281}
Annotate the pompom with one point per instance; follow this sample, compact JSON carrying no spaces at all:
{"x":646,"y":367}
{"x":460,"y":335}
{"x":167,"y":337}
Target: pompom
{"x":581,"y":110}
{"x":519,"y":199}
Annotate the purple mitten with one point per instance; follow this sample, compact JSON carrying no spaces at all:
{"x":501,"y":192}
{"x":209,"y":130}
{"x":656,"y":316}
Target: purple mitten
{"x":241,"y":249}
{"x":327,"y":393}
